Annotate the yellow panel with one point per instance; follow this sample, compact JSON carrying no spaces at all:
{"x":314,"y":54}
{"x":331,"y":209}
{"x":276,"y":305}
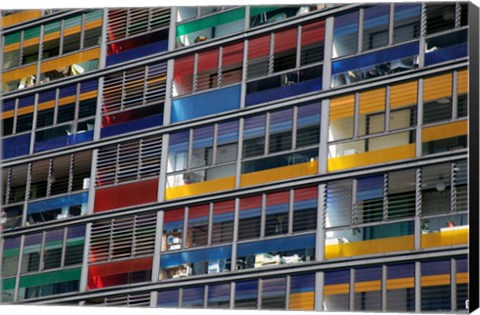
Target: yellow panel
{"x":70,"y":60}
{"x":279,"y":173}
{"x":437,"y":87}
{"x":11,"y":47}
{"x":31,"y":42}
{"x":51,"y":36}
{"x":88,"y":95}
{"x":368,"y":286}
{"x":342,"y":107}
{"x":445,"y":238}
{"x":458,"y":128}
{"x":8,"y":114}
{"x":46,"y":105}
{"x":330,"y":289}
{"x":93,"y":24}
{"x":25,"y":110}
{"x":403,"y":94}
{"x":390,"y":244}
{"x":462,"y":277}
{"x":67,"y":100}
{"x":20,"y":17}
{"x":72,"y":30}
{"x":369,"y":158}
{"x":302,"y":301}
{"x":428,"y":281}
{"x":200,"y":188}
{"x":19,"y":73}
{"x":401,"y":283}
{"x":372,"y":101}
{"x":462,"y":82}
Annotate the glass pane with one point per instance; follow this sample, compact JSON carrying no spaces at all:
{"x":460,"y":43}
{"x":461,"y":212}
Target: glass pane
{"x":400,"y":287}
{"x":436,"y":189}
{"x":254,"y":136}
{"x":222,"y":221}
{"x":336,"y":290}
{"x":276,"y":221}
{"x":249,"y":217}
{"x":345,"y":34}
{"x":406,"y":21}
{"x":183,"y":76}
{"x":280,"y":131}
{"x":305,"y":209}
{"x":435,"y":293}
{"x":401,"y":194}
{"x":193,"y":297}
{"x":172,"y":229}
{"x":375,"y":26}
{"x":339,"y":203}
{"x":52,"y":253}
{"x":202,"y":146}
{"x":285,"y":50}
{"x":308,"y":125}
{"x":31,"y":253}
{"x":440,"y":17}
{"x":258,"y":57}
{"x":207,"y":70}
{"x":312,"y":46}
{"x":246,"y":294}
{"x":370,"y":198}
{"x":219,"y":296}
{"x":273,"y":293}
{"x":168,"y":298}
{"x":178,"y":152}
{"x":197,"y":232}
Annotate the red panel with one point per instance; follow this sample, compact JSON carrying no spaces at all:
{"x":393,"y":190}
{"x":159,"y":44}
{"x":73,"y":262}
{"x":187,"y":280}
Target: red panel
{"x":183,"y":75}
{"x":114,"y":273}
{"x":198,"y":211}
{"x":259,"y":47}
{"x":232,"y":54}
{"x":173,"y":215}
{"x":126,"y":195}
{"x":285,"y":40}
{"x":208,"y":60}
{"x":306,"y":193}
{"x":277,"y":198}
{"x":313,"y":33}
{"x":251,"y":202}
{"x":224,"y":207}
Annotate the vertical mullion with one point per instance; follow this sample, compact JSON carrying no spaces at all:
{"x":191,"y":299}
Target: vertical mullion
{"x":50,"y":177}
{"x":27,"y":194}
{"x":77,"y":109}
{"x":195,"y":73}
{"x":360,"y":31}
{"x":290,"y":211}
{"x":272,"y":52}
{"x":454,"y":95}
{"x":418,"y":302}
{"x":418,"y":136}
{"x":318,"y":295}
{"x":219,"y":66}
{"x":243,"y":90}
{"x":84,"y":275}
{"x":62,"y":31}
{"x":287,"y":291}
{"x":134,"y":239}
{"x":384,"y":289}
{"x":42,"y":253}
{"x":233,"y":264}
{"x":259,"y":294}
{"x":453,"y":188}
{"x":15,"y":117}
{"x":299,"y":47}
{"x":391,"y":24}
{"x":238,"y":164}
{"x":185,"y":227}
{"x":163,"y":168}
{"x":205,"y":296}
{"x":190,"y":149}
{"x":387,"y":109}
{"x":263,"y":216}
{"x":354,"y":219}
{"x":215,"y":144}
{"x":64,"y":247}
{"x":19,"y":267}
{"x":328,"y":52}
{"x":232,"y":294}
{"x":294,"y":127}
{"x":385,"y":196}
{"x":453,"y":284}
{"x":40,"y":55}
{"x":157,"y":251}
{"x":210,"y":223}
{"x":267,"y":134}
{"x":321,"y":219}
{"x":356,"y":115}
{"x":352,"y":290}
{"x":82,"y":32}
{"x":56,"y":107}
{"x":423,"y":31}
{"x":418,"y":209}
{"x":34,"y":124}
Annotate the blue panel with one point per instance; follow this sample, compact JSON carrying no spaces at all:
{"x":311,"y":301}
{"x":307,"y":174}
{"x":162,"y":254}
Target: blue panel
{"x":436,"y":267}
{"x":138,"y":52}
{"x":400,"y":271}
{"x":337,"y":277}
{"x":168,"y":298}
{"x":89,"y":86}
{"x":26,"y":101}
{"x":46,"y":96}
{"x":375,"y":58}
{"x":302,"y":283}
{"x":370,"y":187}
{"x":462,"y":265}
{"x":168,"y":260}
{"x":204,"y":104}
{"x":16,"y":146}
{"x":222,"y":217}
{"x":246,"y":289}
{"x":55,"y":203}
{"x":76,"y":230}
{"x":368,"y":274}
{"x":131,"y":126}
{"x":64,"y":141}
{"x":68,"y":90}
{"x":305,"y":204}
{"x":250,"y":213}
{"x":284,"y":91}
{"x":280,"y":244}
{"x":8,"y":105}
{"x":446,"y":54}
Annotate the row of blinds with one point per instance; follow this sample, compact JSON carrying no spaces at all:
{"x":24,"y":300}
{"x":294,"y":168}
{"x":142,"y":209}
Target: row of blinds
{"x":123,"y":237}
{"x":130,"y":300}
{"x":134,"y":87}
{"x":124,"y":23}
{"x":130,"y":160}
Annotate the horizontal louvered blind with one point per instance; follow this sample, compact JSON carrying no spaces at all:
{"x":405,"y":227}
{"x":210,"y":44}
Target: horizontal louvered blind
{"x":123,"y":23}
{"x":131,"y":300}
{"x":123,"y":237}
{"x":134,"y":87}
{"x":129,"y":161}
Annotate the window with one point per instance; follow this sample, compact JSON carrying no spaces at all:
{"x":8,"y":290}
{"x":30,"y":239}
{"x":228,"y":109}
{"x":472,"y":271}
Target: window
{"x":61,"y":39}
{"x":218,"y":296}
{"x":213,"y":68}
{"x":368,"y":291}
{"x":172,"y":238}
{"x":336,"y":290}
{"x":127,"y":161}
{"x":10,"y":260}
{"x":208,"y":27}
{"x":250,"y":212}
{"x":274,"y":293}
{"x":302,"y":292}
{"x":262,"y":15}
{"x":278,"y":141}
{"x":406,"y":21}
{"x":194,"y":157}
{"x":435,"y":285}
{"x":276,"y":213}
{"x":305,"y":202}
{"x":133,"y":98}
{"x":375,"y":26}
{"x":400,"y":287}
{"x":168,"y":298}
{"x":370,"y":120}
{"x":246,"y":294}
{"x":345,"y":34}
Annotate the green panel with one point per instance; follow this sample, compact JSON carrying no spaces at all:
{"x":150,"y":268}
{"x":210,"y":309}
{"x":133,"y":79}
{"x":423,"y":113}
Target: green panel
{"x":54,"y":244}
{"x":52,"y":27}
{"x":211,"y":21}
{"x":94,"y":15}
{"x":31,"y":33}
{"x":254,"y":10}
{"x":73,"y":21}
{"x":8,"y":284}
{"x":11,"y":252}
{"x":50,"y":277}
{"x":12,"y":38}
{"x":75,"y":241}
{"x":32,"y":249}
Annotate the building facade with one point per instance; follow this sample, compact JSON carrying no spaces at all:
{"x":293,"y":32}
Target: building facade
{"x":309,"y":157}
